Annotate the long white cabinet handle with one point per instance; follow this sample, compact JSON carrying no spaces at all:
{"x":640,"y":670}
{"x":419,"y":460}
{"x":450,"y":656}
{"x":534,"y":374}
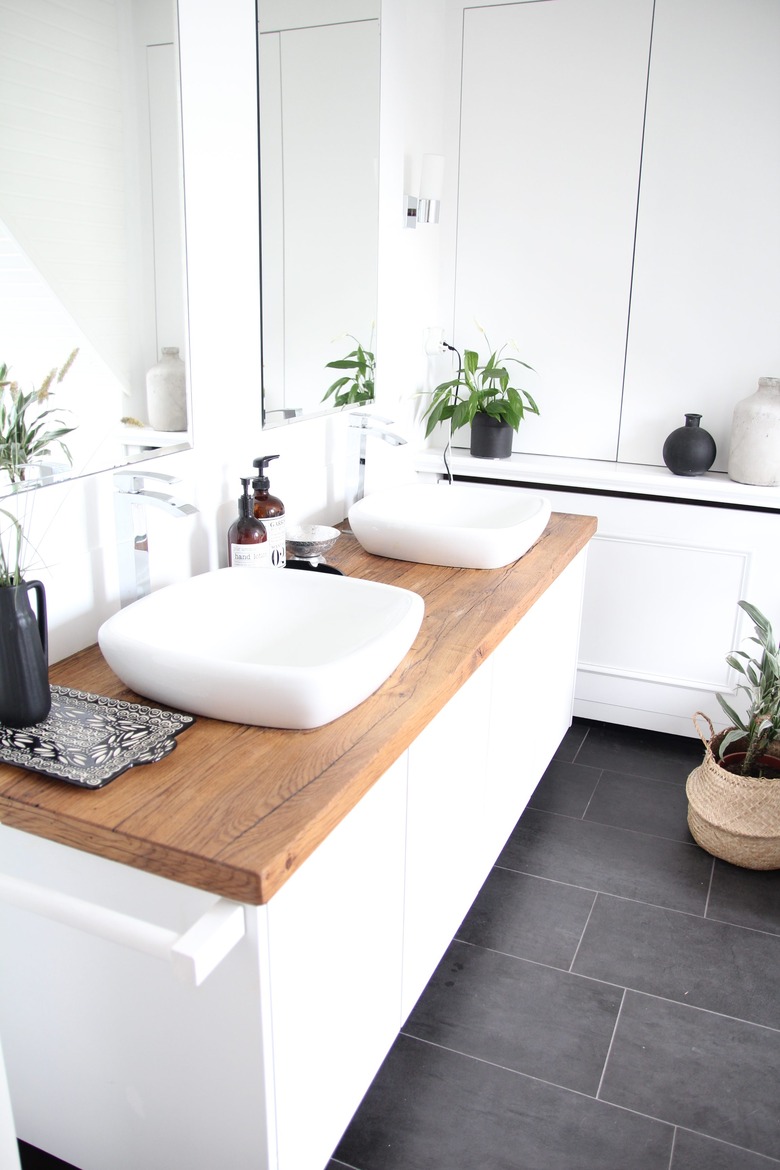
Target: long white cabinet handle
{"x":194,"y":954}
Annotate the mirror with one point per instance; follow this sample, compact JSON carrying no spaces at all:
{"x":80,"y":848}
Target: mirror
{"x":91,"y":218}
{"x":319,"y":162}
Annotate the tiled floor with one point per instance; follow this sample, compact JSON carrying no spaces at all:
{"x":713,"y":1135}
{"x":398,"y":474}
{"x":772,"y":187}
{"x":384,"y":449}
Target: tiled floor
{"x":610,"y":1001}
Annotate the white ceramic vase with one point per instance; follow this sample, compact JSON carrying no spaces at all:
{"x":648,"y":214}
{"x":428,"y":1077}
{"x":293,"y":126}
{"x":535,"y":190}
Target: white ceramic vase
{"x":754,"y":456}
{"x":166,"y":392}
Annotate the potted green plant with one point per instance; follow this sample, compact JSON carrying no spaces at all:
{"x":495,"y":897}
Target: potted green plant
{"x":483,"y":397}
{"x":356,"y":387}
{"x":734,"y":794}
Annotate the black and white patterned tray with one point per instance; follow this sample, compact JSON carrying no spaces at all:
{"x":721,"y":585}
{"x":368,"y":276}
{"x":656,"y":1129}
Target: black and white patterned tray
{"x":89,"y":740}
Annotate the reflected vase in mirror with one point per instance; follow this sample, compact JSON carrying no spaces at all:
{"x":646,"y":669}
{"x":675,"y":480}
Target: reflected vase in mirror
{"x":166,"y":392}
{"x":25,"y":695}
{"x":689,"y":450}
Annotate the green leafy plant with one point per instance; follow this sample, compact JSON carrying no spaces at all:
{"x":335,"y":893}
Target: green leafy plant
{"x":760,"y":726}
{"x":357,"y":386}
{"x":487,"y":389}
{"x":28,"y":433}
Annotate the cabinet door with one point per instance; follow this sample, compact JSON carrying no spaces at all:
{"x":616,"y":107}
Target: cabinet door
{"x":706,"y":293}
{"x":534,"y":671}
{"x":446,"y":859}
{"x":335,"y":939}
{"x":112,"y":1061}
{"x":550,"y":142}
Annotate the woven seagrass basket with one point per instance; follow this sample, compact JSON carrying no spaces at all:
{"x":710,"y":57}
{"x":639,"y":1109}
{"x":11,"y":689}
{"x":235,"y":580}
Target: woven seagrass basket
{"x":736,"y":818}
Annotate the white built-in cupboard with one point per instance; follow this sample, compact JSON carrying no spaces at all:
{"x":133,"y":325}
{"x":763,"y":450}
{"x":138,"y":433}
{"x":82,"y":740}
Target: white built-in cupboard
{"x":612,"y":175}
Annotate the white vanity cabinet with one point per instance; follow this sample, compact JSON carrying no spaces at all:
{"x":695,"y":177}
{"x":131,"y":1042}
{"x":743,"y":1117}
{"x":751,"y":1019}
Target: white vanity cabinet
{"x":113,"y":1062}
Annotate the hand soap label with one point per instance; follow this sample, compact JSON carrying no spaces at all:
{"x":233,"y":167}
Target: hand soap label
{"x":277,"y":543}
{"x":251,"y":556}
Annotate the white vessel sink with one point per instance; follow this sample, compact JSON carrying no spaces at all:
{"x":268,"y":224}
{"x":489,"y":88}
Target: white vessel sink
{"x":263,"y":646}
{"x":467,"y":526}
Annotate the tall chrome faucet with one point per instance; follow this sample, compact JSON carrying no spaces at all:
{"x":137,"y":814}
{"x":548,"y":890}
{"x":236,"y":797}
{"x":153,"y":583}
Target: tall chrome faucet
{"x":131,"y":498}
{"x":365,"y":424}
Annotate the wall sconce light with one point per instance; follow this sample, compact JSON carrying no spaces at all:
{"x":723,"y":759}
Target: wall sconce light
{"x":424,"y":208}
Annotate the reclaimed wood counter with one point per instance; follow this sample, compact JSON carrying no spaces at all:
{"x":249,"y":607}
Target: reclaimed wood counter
{"x":235,"y":810}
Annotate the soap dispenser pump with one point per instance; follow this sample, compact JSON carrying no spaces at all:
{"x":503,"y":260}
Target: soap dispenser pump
{"x":270,"y":510}
{"x":247,"y":541}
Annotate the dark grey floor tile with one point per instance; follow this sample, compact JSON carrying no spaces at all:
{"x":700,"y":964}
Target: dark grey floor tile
{"x":32,"y":1158}
{"x":682,"y":957}
{"x":429,"y":1109}
{"x":635,"y":802}
{"x":617,"y":861}
{"x":565,"y":788}
{"x":693,"y":1151}
{"x":523,"y":1016}
{"x":640,"y":753}
{"x":702,"y":1071}
{"x":529,"y":917}
{"x":747,"y":897}
{"x":572,"y":740}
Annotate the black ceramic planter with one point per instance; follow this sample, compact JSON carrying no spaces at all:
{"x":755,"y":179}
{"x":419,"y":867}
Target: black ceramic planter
{"x":25,"y":696}
{"x":491,"y":438}
{"x":690,"y":450}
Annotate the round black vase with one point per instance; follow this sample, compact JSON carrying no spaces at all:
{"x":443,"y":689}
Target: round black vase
{"x":25,"y":695}
{"x":491,"y":438}
{"x":690,"y":450}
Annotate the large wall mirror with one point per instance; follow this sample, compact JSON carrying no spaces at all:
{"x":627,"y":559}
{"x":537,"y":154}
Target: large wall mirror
{"x":319,"y":159}
{"x":91,"y":216}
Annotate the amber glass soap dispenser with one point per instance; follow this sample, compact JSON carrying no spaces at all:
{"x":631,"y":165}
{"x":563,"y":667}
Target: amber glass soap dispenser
{"x":270,"y":510}
{"x":248,"y":544}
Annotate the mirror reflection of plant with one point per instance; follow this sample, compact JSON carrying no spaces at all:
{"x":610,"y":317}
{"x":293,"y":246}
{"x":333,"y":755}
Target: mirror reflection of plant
{"x":760,"y":726}
{"x":356,"y":387}
{"x":487,"y":389}
{"x":27,"y":434}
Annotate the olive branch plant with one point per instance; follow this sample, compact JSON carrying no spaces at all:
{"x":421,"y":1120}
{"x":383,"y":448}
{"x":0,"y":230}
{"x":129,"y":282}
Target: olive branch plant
{"x":760,"y":726}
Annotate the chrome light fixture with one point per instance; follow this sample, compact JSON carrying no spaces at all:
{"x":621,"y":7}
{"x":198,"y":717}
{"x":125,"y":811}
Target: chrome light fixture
{"x":424,"y":208}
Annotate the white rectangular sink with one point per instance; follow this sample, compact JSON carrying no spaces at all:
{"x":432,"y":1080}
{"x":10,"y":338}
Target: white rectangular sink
{"x":263,"y":646}
{"x":464,"y":525}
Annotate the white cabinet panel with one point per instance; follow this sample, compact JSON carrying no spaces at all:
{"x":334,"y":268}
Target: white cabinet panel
{"x":706,"y":293}
{"x":111,"y":1059}
{"x":335,"y":939}
{"x":532,"y":698}
{"x":445,"y":848}
{"x":656,"y":597}
{"x":551,"y":131}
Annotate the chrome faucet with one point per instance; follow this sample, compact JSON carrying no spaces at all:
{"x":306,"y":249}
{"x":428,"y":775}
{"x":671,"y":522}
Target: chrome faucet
{"x":130,"y":500}
{"x":364,"y":423}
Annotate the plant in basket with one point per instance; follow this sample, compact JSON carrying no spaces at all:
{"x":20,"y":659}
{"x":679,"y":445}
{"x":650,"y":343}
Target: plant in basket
{"x":744,"y":747}
{"x":734,"y":794}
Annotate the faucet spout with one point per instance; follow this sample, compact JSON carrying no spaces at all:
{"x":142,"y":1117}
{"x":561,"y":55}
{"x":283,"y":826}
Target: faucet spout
{"x":364,"y":424}
{"x":130,"y":500}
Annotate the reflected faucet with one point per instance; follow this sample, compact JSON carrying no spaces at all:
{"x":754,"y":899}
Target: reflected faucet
{"x":364,"y":423}
{"x":130,"y":500}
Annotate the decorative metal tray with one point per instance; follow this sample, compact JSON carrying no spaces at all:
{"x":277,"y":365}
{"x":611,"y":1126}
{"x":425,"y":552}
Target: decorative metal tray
{"x":89,"y":740}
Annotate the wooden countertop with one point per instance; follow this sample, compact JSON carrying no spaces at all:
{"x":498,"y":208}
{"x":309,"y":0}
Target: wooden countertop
{"x":235,"y":809}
